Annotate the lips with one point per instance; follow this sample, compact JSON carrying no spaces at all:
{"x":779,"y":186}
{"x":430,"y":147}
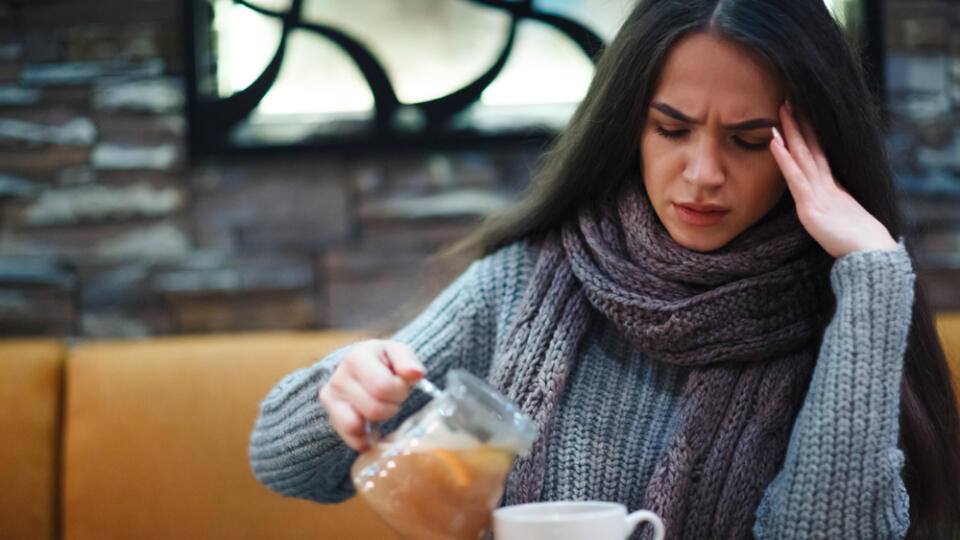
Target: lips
{"x":700,"y":214}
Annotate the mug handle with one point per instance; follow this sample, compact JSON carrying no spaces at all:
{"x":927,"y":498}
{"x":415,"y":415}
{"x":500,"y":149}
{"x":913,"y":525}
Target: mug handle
{"x":639,"y":516}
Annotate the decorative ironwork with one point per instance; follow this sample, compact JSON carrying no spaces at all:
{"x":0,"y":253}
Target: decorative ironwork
{"x":215,"y":118}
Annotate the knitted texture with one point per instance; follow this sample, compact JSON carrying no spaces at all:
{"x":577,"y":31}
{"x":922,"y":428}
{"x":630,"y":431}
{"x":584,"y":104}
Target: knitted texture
{"x":614,"y":393}
{"x":294,"y":450}
{"x":619,"y":406}
{"x":746,"y":317}
{"x":849,"y":424}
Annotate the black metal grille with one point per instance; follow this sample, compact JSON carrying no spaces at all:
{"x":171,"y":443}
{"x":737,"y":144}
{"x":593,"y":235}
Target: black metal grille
{"x":213,"y":119}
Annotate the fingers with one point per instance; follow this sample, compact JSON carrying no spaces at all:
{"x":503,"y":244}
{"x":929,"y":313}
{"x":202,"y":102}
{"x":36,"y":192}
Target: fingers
{"x":819,"y":158}
{"x":370,"y":384}
{"x":371,"y":369}
{"x":796,"y":144}
{"x":366,"y":402}
{"x":348,"y":423}
{"x":404,"y":361}
{"x":806,"y":148}
{"x":796,"y":181}
{"x":832,"y":216}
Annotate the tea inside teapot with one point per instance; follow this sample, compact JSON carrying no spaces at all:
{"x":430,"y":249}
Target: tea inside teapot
{"x":441,"y":474}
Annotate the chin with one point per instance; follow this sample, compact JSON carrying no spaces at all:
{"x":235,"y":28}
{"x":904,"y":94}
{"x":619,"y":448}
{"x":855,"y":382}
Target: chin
{"x":702,"y":243}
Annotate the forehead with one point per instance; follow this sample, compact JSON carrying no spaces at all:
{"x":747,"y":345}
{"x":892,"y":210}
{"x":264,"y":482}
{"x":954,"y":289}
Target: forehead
{"x":703,"y":69}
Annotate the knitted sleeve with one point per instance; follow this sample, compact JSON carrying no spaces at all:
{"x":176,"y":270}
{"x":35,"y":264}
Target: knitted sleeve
{"x":294,"y":450}
{"x":841,"y":475}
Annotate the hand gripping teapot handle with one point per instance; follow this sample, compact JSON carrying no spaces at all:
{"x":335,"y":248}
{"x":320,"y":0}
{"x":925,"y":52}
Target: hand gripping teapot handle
{"x":424,"y":385}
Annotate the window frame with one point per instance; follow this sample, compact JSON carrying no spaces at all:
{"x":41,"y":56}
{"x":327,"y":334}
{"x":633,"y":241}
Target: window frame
{"x":208,"y":138}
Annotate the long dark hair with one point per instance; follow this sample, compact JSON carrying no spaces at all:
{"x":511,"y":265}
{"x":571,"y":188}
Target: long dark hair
{"x":596,"y":156}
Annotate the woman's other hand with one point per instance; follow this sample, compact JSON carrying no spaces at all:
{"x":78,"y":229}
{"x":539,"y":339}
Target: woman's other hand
{"x":369,"y":384}
{"x":831,"y":215}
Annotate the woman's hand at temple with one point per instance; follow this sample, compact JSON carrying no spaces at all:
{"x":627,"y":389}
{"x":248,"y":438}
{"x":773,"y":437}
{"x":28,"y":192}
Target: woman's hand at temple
{"x":831,"y":215}
{"x":369,"y":384}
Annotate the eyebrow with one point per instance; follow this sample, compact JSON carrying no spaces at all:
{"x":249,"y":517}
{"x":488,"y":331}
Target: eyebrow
{"x":756,"y":123}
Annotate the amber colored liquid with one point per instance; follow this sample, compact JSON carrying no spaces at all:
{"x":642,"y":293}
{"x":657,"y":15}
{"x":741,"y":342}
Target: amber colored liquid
{"x":427,"y":494}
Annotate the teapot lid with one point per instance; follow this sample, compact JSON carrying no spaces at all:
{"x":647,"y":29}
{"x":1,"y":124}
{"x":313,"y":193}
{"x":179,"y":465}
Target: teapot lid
{"x":487,"y":414}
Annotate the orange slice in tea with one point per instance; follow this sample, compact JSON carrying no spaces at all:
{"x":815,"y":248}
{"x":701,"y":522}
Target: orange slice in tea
{"x":454,"y":466}
{"x":488,"y":461}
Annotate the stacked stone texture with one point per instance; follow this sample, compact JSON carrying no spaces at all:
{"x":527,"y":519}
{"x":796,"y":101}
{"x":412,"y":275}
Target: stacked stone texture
{"x":107,"y":228}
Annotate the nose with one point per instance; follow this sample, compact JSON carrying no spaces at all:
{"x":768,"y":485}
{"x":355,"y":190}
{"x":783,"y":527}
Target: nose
{"x":704,"y":168}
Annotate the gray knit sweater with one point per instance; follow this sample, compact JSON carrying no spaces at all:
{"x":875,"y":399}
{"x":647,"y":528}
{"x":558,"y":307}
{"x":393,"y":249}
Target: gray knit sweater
{"x":841,"y":475}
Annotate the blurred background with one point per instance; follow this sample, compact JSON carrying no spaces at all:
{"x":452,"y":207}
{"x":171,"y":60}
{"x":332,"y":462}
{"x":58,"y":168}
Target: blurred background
{"x":192,"y":166}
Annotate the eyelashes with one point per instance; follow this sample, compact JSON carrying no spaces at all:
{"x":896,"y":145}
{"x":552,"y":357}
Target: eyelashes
{"x":681,"y":133}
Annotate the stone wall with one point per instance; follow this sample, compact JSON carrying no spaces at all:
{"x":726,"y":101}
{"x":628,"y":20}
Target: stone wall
{"x":107,"y":230}
{"x":922,"y":47}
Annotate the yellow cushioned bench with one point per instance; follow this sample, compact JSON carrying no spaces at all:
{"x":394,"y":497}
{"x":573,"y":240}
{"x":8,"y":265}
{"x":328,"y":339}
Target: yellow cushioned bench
{"x":148,"y":439}
{"x":30,"y":390}
{"x":948,"y":327}
{"x":155,"y":445}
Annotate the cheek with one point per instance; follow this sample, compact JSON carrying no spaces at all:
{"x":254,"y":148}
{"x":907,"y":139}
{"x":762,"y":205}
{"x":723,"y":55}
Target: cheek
{"x":647,"y":161}
{"x":774,"y":184}
{"x":656,"y":161}
{"x":647,"y":151}
{"x":759,"y":171}
{"x":765,"y":191}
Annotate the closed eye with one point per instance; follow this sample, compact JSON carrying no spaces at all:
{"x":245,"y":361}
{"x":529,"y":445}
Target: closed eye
{"x":672,"y":134}
{"x":680,"y":133}
{"x":750,"y":146}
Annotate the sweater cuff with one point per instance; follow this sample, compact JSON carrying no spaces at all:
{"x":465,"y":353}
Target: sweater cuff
{"x":882,"y":273}
{"x":293,"y":450}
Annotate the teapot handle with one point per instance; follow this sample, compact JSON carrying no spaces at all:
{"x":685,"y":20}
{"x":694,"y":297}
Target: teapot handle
{"x":424,"y":385}
{"x":373,"y":432}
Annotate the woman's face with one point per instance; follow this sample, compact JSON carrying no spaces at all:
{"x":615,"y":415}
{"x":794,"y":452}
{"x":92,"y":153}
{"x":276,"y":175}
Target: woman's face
{"x":707,"y":167}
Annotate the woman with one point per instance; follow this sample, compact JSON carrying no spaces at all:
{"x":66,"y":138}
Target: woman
{"x":701,"y":302}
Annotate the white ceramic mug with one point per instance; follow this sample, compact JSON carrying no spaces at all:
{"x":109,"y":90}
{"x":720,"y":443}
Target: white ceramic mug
{"x":570,"y":521}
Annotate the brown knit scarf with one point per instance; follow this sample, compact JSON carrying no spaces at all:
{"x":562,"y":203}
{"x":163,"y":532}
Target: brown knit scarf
{"x":744,"y":318}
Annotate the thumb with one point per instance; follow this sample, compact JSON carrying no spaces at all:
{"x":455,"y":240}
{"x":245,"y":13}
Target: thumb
{"x":404,"y":362}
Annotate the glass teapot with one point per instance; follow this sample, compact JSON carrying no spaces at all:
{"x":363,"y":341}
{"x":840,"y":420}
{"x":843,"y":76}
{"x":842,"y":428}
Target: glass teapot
{"x":442,"y":472}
